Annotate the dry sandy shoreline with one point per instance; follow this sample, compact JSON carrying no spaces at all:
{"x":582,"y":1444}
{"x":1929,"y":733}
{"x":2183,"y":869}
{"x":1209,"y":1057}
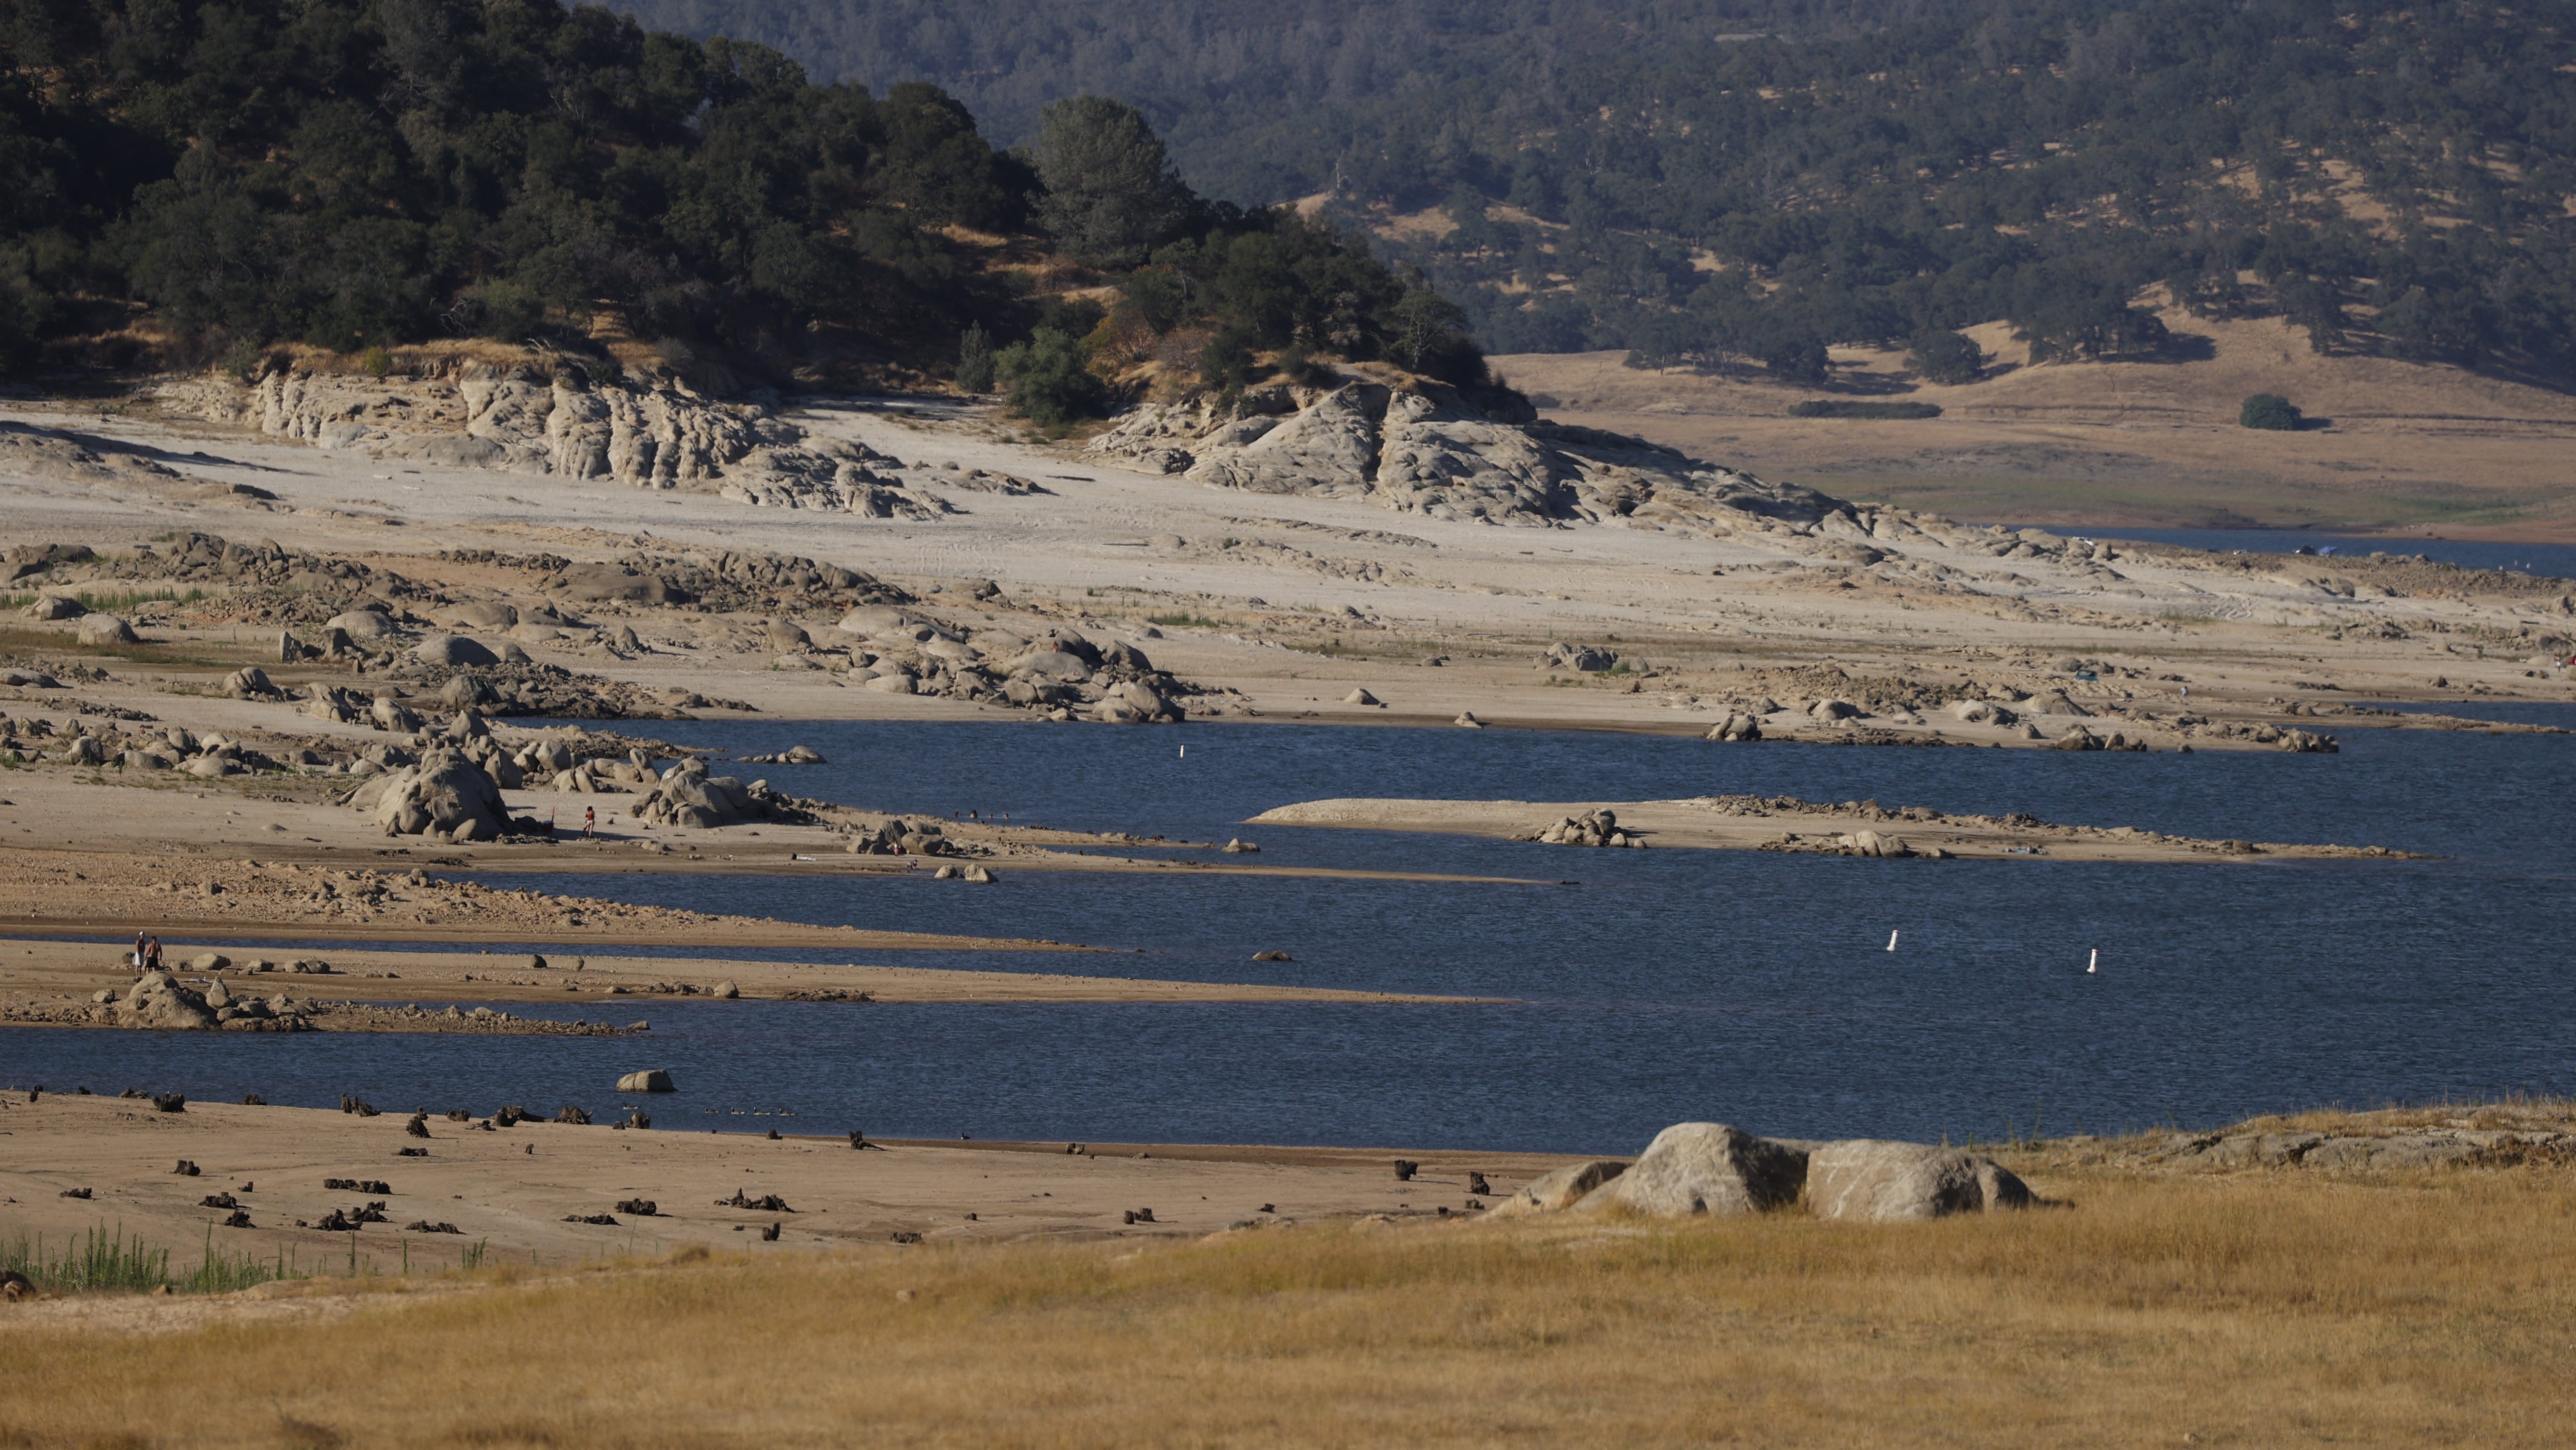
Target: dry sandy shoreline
{"x":55,"y":976}
{"x":1753,"y":823}
{"x":497,"y":1191}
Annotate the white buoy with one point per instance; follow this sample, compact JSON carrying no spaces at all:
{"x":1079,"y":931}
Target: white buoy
{"x":2093,"y":964}
{"x":1185,"y":752}
{"x":1891,"y":941}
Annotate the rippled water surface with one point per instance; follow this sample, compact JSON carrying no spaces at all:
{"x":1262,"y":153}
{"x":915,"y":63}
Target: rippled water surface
{"x":1648,"y":986}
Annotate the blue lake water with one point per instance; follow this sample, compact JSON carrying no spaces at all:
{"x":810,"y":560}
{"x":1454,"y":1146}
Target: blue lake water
{"x":2557,"y":561}
{"x":1653,"y":986}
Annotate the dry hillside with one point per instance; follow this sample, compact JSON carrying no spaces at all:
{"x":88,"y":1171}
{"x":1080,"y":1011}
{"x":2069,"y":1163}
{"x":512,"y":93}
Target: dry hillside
{"x":2394,"y":446}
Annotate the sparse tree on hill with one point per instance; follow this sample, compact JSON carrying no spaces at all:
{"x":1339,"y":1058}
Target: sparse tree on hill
{"x":1111,"y":192}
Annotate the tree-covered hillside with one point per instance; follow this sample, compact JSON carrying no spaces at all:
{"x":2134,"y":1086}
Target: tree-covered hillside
{"x":1702,"y":179}
{"x":224,"y":175}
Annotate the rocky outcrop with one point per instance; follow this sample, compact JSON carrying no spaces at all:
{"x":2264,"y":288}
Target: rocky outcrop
{"x":1559,"y":1189}
{"x":160,"y":1002}
{"x":645,"y":434}
{"x":651,"y":1080}
{"x":1705,"y":1168}
{"x":1737,"y":726}
{"x":445,"y":794}
{"x":1882,"y":1182}
{"x":1592,"y":828}
{"x":1426,"y":450}
{"x":687,"y":796}
{"x":100,"y":628}
{"x":2363,"y":1151}
{"x":1060,"y":673}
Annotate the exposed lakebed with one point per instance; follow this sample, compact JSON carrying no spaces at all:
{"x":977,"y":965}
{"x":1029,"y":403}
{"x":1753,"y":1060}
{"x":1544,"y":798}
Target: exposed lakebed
{"x":1659,"y":985}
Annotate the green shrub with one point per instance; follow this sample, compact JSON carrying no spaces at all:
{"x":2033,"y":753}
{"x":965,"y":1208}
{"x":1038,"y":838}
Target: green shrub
{"x":1226,"y":361}
{"x":377,"y":362}
{"x":2270,"y":412}
{"x":1855,"y":408}
{"x":1948,"y":358}
{"x":975,"y":364}
{"x":1048,"y":379}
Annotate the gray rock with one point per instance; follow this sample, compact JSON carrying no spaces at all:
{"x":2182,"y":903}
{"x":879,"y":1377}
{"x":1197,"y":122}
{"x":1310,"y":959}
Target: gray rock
{"x":445,"y":793}
{"x":1882,"y":1182}
{"x":651,"y":1080}
{"x":488,"y":614}
{"x":160,"y":1003}
{"x":689,"y":797}
{"x":453,"y":650}
{"x":1055,"y":664}
{"x":250,"y":682}
{"x":360,"y":624}
{"x":56,"y":606}
{"x":464,"y":692}
{"x":1737,"y":726}
{"x":1582,"y":658}
{"x":1559,"y":1189}
{"x":106,"y":629}
{"x":1704,"y":1168}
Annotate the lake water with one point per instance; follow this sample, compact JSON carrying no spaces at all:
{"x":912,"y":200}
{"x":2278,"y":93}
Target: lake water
{"x":2557,"y":561}
{"x":1651,"y":986}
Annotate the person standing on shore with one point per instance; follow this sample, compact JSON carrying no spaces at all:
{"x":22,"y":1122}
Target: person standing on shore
{"x":589,"y":818}
{"x":152,"y":955}
{"x":138,"y":951}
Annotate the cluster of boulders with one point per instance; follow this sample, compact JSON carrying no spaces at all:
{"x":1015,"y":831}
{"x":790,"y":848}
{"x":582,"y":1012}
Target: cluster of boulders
{"x":82,"y":742}
{"x":1583,"y":658}
{"x":1592,"y":828}
{"x":1710,"y":1169}
{"x":1853,"y":843}
{"x":161,"y":1002}
{"x":688,"y":796}
{"x":444,"y":794}
{"x":1058,"y":672}
{"x":902,"y":836}
{"x":2079,"y":738}
{"x":1739,"y":725}
{"x":1424,"y":448}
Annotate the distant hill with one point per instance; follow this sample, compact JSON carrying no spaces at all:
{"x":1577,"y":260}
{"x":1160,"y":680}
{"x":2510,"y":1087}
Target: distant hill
{"x":1702,"y":181}
{"x":190,"y":181}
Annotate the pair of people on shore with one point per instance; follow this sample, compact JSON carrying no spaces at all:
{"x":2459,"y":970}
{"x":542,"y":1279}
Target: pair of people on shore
{"x":147,"y":952}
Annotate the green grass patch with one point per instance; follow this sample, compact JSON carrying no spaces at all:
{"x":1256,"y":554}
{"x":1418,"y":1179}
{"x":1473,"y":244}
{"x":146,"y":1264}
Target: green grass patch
{"x":1185,"y":621}
{"x":1861,"y":410}
{"x":101,"y":1262}
{"x":111,"y":600}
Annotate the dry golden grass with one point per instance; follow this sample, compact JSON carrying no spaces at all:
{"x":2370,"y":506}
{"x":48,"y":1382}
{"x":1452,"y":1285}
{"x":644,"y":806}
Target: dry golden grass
{"x":2254,"y":1309}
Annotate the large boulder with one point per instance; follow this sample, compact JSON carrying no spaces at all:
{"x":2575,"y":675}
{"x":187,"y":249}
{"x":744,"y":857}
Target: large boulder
{"x":250,"y":682}
{"x":688,"y":796}
{"x":101,"y":628}
{"x":360,"y":624}
{"x":1560,"y":1189}
{"x":1705,"y":1168}
{"x":1882,"y":1182}
{"x":489,"y":614}
{"x":1050,"y":664}
{"x":56,"y":606}
{"x":651,"y":1080}
{"x":455,"y":651}
{"x":445,"y":794}
{"x":464,"y":692}
{"x":159,"y":1002}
